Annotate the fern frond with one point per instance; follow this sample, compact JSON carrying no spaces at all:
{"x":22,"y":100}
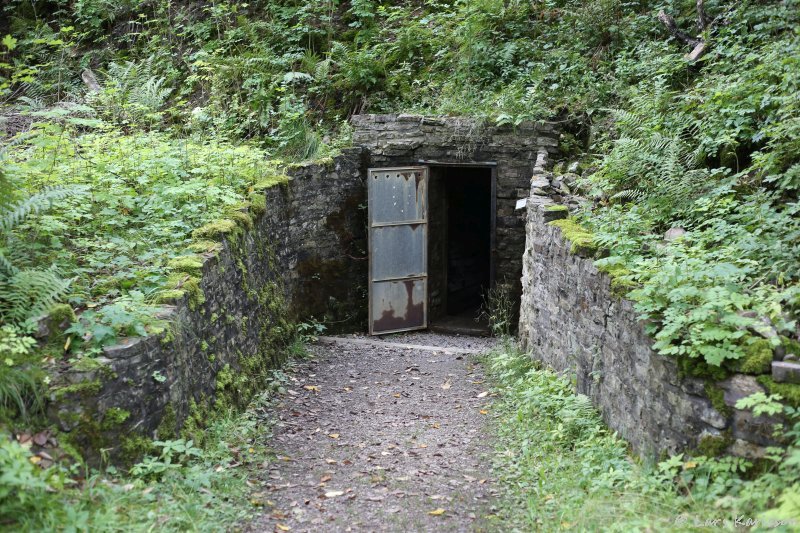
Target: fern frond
{"x":12,"y":215}
{"x":629,"y":195}
{"x":29,"y":293}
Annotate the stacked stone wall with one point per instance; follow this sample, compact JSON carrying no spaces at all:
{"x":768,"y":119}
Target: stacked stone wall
{"x":303,"y":257}
{"x":573,"y":322}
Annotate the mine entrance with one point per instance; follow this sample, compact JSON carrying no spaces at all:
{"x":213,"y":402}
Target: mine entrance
{"x":461,"y":244}
{"x":431,"y":247}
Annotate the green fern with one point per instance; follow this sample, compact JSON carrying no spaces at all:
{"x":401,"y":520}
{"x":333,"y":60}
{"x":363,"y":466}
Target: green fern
{"x":27,"y":293}
{"x":656,"y":159}
{"x":30,"y":293}
{"x":12,"y":215}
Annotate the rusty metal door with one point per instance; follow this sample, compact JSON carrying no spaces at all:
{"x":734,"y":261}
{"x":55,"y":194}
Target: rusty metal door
{"x":398,"y":249}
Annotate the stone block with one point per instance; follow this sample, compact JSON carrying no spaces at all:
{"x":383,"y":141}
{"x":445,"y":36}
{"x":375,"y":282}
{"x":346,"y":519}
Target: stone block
{"x":786,"y":372}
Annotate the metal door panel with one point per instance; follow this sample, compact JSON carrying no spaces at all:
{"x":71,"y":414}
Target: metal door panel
{"x":398,"y":242}
{"x":398,"y":251}
{"x":400,"y":305}
{"x":398,"y":195}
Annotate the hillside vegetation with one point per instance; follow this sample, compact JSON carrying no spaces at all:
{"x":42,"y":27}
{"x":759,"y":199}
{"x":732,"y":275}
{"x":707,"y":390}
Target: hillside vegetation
{"x":145,"y":120}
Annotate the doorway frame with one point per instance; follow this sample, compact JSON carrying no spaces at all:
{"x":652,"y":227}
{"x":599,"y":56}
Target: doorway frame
{"x":492,"y":167}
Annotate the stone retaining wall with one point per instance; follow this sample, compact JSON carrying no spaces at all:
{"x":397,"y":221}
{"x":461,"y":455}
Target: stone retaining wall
{"x":572,"y":321}
{"x":304,"y":256}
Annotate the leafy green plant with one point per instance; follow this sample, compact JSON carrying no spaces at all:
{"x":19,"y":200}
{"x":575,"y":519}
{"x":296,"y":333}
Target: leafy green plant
{"x":23,"y":485}
{"x":173,"y":456}
{"x":310,"y":330}
{"x":761,"y":404}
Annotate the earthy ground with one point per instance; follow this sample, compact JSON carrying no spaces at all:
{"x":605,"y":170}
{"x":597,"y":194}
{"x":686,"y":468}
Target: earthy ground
{"x":376,"y":437}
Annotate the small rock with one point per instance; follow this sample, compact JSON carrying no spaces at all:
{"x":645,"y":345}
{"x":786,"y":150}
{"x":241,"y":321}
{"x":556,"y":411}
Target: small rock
{"x":673,"y":234}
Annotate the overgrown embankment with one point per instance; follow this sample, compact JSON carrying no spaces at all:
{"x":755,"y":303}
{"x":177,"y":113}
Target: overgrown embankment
{"x":562,"y":469}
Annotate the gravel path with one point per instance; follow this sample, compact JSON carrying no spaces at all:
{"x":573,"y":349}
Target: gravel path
{"x":374,"y":438}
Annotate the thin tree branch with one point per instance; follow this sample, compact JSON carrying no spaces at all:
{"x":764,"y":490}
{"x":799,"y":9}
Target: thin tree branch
{"x":669,"y":22}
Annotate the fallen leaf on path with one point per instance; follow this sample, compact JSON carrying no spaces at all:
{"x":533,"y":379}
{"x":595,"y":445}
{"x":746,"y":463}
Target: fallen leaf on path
{"x":483,"y":394}
{"x":330,"y":461}
{"x":325,"y":479}
{"x":484,"y":412}
{"x":333,"y":435}
{"x":282,"y":527}
{"x":334,"y":493}
{"x":436,"y":425}
{"x":436,"y":512}
{"x":315,"y":388}
{"x":396,"y":395}
{"x":446,"y":385}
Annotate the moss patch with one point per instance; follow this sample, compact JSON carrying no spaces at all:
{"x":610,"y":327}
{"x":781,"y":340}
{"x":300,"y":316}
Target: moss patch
{"x":194,"y":293}
{"x":582,"y":240}
{"x":789,"y":391}
{"x":170,"y":296}
{"x":91,"y":387}
{"x":717,"y":397}
{"x":792,"y":347}
{"x":242,"y":219}
{"x":258,"y":202}
{"x":714,"y":445}
{"x":60,"y":317}
{"x":114,"y":417}
{"x":621,"y":284}
{"x":556,"y":208}
{"x":757,"y":358}
{"x":168,"y":426}
{"x":270,"y":181}
{"x":134,"y":447}
{"x":216,"y":230}
{"x":698,"y":368}
{"x":190,"y":264}
{"x":204,"y":246}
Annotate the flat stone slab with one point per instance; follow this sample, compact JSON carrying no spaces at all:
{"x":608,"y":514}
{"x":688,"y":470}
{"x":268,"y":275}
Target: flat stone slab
{"x":785,"y":372}
{"x":362,"y":341}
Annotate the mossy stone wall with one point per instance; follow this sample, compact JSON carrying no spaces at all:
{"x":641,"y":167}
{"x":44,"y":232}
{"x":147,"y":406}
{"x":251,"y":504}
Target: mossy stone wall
{"x":574,"y":320}
{"x":293,"y":255}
